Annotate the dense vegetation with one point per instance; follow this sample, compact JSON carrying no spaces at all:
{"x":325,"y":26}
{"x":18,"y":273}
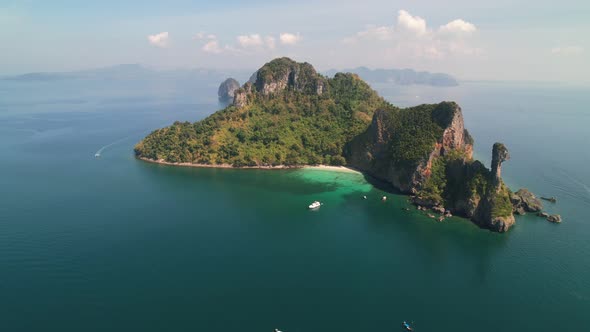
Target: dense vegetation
{"x":455,"y":178}
{"x":293,"y":127}
{"x":410,"y":136}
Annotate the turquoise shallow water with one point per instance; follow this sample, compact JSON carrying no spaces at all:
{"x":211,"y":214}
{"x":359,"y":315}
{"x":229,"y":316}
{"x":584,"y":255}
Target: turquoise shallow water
{"x":118,"y":244}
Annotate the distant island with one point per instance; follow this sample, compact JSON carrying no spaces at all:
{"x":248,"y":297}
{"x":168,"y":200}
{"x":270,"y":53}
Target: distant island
{"x":291,"y":116}
{"x":227,"y":89}
{"x":400,"y":76}
{"x":130,"y":72}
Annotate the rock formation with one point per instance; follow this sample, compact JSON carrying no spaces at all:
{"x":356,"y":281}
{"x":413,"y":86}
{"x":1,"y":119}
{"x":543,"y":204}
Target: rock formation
{"x":280,"y":75}
{"x":495,"y":209}
{"x":445,"y":176}
{"x":285,"y":73}
{"x":227,"y":90}
{"x":525,"y":201}
{"x":371,"y":151}
{"x":499,"y":155}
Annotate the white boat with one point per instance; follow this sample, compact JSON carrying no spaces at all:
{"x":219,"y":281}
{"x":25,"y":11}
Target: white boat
{"x":315,"y":205}
{"x":97,"y":155}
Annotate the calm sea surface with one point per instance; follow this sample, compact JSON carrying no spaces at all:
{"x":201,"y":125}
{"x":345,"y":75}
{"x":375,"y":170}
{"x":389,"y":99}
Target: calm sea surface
{"x":116,"y":244}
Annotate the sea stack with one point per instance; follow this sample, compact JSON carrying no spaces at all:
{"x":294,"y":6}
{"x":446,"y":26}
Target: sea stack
{"x":227,"y":90}
{"x":495,"y":209}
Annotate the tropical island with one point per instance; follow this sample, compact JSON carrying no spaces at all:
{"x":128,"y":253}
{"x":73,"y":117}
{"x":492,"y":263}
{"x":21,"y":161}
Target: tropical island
{"x":288,"y":115}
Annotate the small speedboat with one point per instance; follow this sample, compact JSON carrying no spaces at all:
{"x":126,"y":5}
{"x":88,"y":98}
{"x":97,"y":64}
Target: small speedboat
{"x":407,"y":326}
{"x":97,"y":155}
{"x":315,"y":205}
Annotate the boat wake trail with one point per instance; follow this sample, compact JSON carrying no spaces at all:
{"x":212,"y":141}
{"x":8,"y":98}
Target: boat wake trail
{"x":568,"y":185}
{"x":101,"y":150}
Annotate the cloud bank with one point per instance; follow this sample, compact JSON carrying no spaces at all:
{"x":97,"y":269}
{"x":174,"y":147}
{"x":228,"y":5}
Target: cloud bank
{"x":159,"y":39}
{"x":246,"y":44}
{"x":410,"y":36}
{"x":289,"y":38}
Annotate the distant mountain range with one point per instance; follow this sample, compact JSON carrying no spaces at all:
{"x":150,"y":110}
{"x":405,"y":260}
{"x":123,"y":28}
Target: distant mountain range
{"x":399,"y":76}
{"x":131,"y":72}
{"x":136,"y":71}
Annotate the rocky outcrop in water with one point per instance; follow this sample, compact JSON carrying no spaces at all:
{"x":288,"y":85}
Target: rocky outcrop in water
{"x":556,"y":218}
{"x":495,"y":209}
{"x":227,"y":90}
{"x":525,"y":201}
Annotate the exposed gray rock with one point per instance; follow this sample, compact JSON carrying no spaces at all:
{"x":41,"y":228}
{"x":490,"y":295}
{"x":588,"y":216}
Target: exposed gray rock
{"x":491,"y":212}
{"x":422,"y":202}
{"x":439,"y":209}
{"x":499,"y":155}
{"x":524,"y":200}
{"x":283,"y":73}
{"x":227,"y":89}
{"x":554,"y":218}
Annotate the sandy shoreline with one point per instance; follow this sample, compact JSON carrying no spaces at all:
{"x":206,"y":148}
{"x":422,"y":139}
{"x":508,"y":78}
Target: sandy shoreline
{"x":334,"y":168}
{"x":278,"y":167}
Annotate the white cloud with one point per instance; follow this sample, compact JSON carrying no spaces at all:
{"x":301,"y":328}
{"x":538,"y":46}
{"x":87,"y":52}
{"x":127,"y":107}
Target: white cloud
{"x":457,"y":26}
{"x":257,"y":42}
{"x":254,"y":40}
{"x":567,"y":50}
{"x":212,"y":47}
{"x":289,"y":38}
{"x":246,"y":44}
{"x":415,"y":24}
{"x":159,"y":40}
{"x":270,"y":42}
{"x":372,"y":32}
{"x":411,"y":37}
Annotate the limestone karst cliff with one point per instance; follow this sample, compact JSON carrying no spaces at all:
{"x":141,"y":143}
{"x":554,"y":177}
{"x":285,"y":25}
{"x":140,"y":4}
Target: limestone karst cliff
{"x":279,"y":75}
{"x":441,"y":173}
{"x":227,"y":89}
{"x":400,"y":146}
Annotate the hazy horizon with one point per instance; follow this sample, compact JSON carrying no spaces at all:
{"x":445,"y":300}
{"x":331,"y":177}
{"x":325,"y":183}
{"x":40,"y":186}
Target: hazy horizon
{"x":529,"y":41}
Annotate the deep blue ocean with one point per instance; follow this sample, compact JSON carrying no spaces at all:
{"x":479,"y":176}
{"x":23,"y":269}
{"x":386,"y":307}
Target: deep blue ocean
{"x":116,"y":244}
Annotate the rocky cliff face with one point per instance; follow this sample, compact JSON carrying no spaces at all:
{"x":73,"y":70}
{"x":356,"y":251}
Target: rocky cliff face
{"x":495,"y":209}
{"x":227,"y":90}
{"x":279,"y":75}
{"x":372,"y":151}
{"x":444,"y":176}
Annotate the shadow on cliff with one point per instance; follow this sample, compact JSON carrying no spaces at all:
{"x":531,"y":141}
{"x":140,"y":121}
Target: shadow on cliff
{"x":381,"y":185}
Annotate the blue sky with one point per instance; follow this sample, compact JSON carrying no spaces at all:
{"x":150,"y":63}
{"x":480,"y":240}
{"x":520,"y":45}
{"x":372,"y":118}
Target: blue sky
{"x":529,"y":40}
